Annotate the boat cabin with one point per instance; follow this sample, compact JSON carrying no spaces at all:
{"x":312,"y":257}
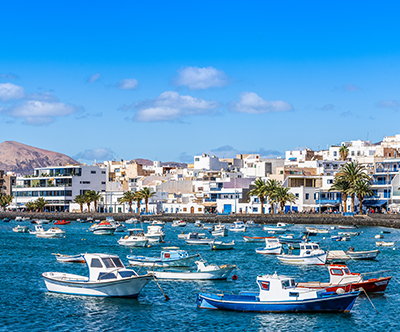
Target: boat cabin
{"x":103,"y":267}
{"x":309,"y":249}
{"x":135,"y":232}
{"x":340,"y":274}
{"x":167,"y":255}
{"x":272,"y":242}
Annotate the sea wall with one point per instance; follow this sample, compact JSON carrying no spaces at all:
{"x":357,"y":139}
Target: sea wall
{"x":385,"y":220}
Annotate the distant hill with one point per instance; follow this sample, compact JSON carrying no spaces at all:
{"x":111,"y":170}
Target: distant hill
{"x":21,"y":158}
{"x":147,"y":162}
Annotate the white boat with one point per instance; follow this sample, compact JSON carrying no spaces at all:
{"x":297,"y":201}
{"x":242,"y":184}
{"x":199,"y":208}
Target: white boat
{"x":120,"y":228}
{"x":155,"y":233}
{"x":251,"y":223}
{"x":184,"y":236}
{"x":20,"y":229}
{"x":349,"y":233}
{"x":198,"y":223}
{"x":104,"y":228}
{"x":169,"y":257}
{"x":272,"y":247}
{"x":317,"y":230}
{"x":219,"y":230}
{"x":238,"y":226}
{"x":40,"y":221}
{"x":18,"y":218}
{"x":379,"y":236}
{"x":310,"y":254}
{"x":107,"y":277}
{"x":26,"y":218}
{"x":203,"y":272}
{"x":135,"y":238}
{"x":69,"y":258}
{"x":280,"y":228}
{"x":131,"y":221}
{"x":367,"y":254}
{"x":158,"y":223}
{"x":195,"y":239}
{"x":347,"y":227}
{"x":384,"y":244}
{"x":254,"y":238}
{"x":53,"y":232}
{"x":219,"y":245}
{"x":178,"y":223}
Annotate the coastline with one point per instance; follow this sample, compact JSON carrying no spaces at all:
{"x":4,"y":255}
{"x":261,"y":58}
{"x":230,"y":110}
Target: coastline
{"x":382,"y":220}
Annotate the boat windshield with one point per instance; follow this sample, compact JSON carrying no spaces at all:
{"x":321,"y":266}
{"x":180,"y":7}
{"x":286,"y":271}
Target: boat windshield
{"x":346,"y":271}
{"x":287,"y":283}
{"x":117,"y":262}
{"x":315,"y":247}
{"x":108,"y":262}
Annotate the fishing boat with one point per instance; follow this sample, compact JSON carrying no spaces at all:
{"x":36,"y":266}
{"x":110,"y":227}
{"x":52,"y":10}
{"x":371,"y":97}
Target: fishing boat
{"x":18,"y":218}
{"x":6,"y":219}
{"x":219,"y":245}
{"x":317,"y":230}
{"x":347,"y":227}
{"x":349,"y":233}
{"x":219,"y":230}
{"x":251,"y":224}
{"x":170,"y":257}
{"x":342,"y":278}
{"x":186,"y":236}
{"x":20,"y":229}
{"x":40,"y":221}
{"x":107,"y":276}
{"x":336,"y":238}
{"x":238,"y":226}
{"x":198,"y":223}
{"x":135,"y":238}
{"x":201,"y":272}
{"x":158,"y":223}
{"x":384,"y":244}
{"x":155,"y":233}
{"x":275,"y":229}
{"x":366,"y":254}
{"x":279,"y":294}
{"x":69,"y":258}
{"x":272,"y":247}
{"x":178,"y":223}
{"x":290,"y":240}
{"x":131,"y":221}
{"x":310,"y":254}
{"x":104,"y":228}
{"x":194,"y":238}
{"x":62,"y":222}
{"x":254,"y":238}
{"x":53,"y":232}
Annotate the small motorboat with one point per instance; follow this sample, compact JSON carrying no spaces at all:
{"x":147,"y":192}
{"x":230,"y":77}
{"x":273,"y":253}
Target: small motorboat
{"x":219,"y":230}
{"x":308,"y":233}
{"x":155,"y":233}
{"x":120,"y":228}
{"x":184,"y":236}
{"x":254,"y":238}
{"x":194,"y":238}
{"x":291,"y":241}
{"x":158,"y":223}
{"x":170,"y":257}
{"x":202,"y":272}
{"x":347,"y":227}
{"x":342,"y":278}
{"x":368,"y":254}
{"x":238,"y":226}
{"x":104,"y":228}
{"x":198,"y":223}
{"x":62,"y":222}
{"x":272,"y":247}
{"x":251,"y":224}
{"x":53,"y":232}
{"x":6,"y":219}
{"x":69,"y":258}
{"x":336,"y":238}
{"x":40,"y":221}
{"x":379,"y":236}
{"x":384,"y":244}
{"x":280,"y":294}
{"x":18,"y":218}
{"x":132,"y":221}
{"x":178,"y":223}
{"x":20,"y":229}
{"x":135,"y":238}
{"x":310,"y":254}
{"x":317,"y":230}
{"x":349,"y":233}
{"x":107,"y":277}
{"x":219,"y":245}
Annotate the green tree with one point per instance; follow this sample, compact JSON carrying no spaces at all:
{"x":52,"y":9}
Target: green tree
{"x":40,"y":203}
{"x":260,"y":191}
{"x":271,"y":187}
{"x":94,"y":197}
{"x":138,"y":199}
{"x":80,"y":199}
{"x":352,"y":172}
{"x":344,"y":152}
{"x":30,"y":206}
{"x":5,"y":200}
{"x":343,"y":187}
{"x":361,"y":188}
{"x":128,"y":197}
{"x":283,"y":196}
{"x":146,"y":194}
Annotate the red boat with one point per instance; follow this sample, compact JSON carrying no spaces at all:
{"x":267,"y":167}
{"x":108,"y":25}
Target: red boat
{"x":62,"y":222}
{"x":341,"y":277}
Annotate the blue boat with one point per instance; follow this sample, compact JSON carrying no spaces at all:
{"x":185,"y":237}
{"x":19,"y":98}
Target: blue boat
{"x":280,"y":294}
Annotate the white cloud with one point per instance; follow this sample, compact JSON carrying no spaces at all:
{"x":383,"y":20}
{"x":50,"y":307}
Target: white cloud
{"x":100,"y":154}
{"x":128,"y":84}
{"x":252,"y":103}
{"x":196,"y":78}
{"x":170,"y":106}
{"x":393,"y":104}
{"x":9,"y":91}
{"x":94,"y":78}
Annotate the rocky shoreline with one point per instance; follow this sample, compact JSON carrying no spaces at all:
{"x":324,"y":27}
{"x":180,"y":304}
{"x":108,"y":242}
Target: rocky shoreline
{"x":384,"y":220}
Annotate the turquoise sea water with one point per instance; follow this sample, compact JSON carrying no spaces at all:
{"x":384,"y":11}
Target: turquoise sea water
{"x":27,"y":306}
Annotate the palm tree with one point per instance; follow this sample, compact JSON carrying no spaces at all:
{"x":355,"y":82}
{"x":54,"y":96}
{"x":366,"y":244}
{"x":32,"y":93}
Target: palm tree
{"x":88,"y":199}
{"x":80,"y":199}
{"x":95,"y":197}
{"x":343,"y":187}
{"x":138,"y":198}
{"x":344,"y":152}
{"x":30,"y":206}
{"x":40,"y":203}
{"x":5,"y":200}
{"x":128,"y":197}
{"x":259,"y":191}
{"x":283,"y":196}
{"x":146,"y":194}
{"x":351,"y":172}
{"x":362,"y":188}
{"x":270,"y":190}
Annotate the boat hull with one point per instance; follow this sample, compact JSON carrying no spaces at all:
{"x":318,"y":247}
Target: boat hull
{"x":332,"y":303}
{"x":254,"y":238}
{"x":307,"y":260}
{"x":372,"y":254}
{"x":269,"y":251}
{"x":129,"y":287}
{"x":133,"y":243}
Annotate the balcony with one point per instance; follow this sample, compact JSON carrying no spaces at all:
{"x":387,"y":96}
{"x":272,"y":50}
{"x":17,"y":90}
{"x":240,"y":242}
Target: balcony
{"x":328,"y":201}
{"x":45,"y":186}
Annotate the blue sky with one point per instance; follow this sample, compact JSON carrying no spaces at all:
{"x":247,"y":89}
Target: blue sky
{"x":168,"y":80}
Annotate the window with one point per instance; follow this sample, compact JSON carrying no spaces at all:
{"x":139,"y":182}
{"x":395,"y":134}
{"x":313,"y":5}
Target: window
{"x":95,"y":263}
{"x":293,"y":294}
{"x":337,"y":272}
{"x":85,"y":182}
{"x":103,"y":182}
{"x":93,"y":172}
{"x":307,"y":196}
{"x":265,"y":285}
{"x":199,"y":209}
{"x":196,"y":159}
{"x":352,"y":153}
{"x":335,"y":153}
{"x":103,"y":172}
{"x":329,"y":181}
{"x":117,"y":262}
{"x":184,"y":209}
{"x":297,"y":195}
{"x":255,"y":209}
{"x":108,"y":262}
{"x":285,"y":283}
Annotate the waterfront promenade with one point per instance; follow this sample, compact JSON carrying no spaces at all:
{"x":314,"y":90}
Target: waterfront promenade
{"x":384,"y":220}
